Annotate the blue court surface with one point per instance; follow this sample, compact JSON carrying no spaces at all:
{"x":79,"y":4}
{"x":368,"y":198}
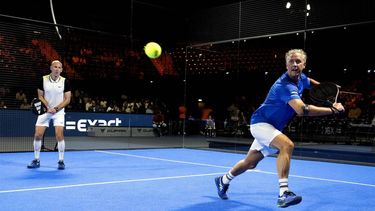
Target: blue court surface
{"x":174,"y":179}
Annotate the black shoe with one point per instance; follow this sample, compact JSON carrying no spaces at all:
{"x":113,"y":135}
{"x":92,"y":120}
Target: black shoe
{"x":60,"y":165}
{"x":34,"y":164}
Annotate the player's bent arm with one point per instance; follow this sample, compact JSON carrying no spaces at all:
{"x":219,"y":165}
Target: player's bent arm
{"x":314,"y":82}
{"x":303,"y":109}
{"x":41,"y":97}
{"x":67,"y":97}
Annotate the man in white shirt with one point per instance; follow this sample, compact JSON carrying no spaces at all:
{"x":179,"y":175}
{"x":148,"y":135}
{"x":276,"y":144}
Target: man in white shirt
{"x":54,"y":92}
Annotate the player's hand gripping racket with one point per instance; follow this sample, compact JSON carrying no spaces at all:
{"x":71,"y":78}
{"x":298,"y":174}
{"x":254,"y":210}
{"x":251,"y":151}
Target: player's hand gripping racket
{"x":37,"y":107}
{"x":325,"y":94}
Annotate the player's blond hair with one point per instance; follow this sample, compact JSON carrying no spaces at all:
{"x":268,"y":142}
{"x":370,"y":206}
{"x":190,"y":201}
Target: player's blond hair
{"x":294,"y":51}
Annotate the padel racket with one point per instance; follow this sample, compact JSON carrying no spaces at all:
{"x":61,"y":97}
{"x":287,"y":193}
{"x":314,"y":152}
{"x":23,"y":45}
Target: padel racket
{"x":325,"y":94}
{"x":37,"y":107}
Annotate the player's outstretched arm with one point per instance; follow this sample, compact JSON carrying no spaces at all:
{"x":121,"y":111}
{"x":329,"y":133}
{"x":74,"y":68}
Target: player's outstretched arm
{"x":303,"y":109}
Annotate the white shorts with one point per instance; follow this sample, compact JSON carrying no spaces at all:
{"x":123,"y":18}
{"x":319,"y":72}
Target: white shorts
{"x":44,"y":119}
{"x":263,"y":134}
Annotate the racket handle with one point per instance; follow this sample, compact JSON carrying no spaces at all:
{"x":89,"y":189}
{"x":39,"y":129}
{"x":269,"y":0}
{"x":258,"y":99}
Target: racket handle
{"x":336,"y":111}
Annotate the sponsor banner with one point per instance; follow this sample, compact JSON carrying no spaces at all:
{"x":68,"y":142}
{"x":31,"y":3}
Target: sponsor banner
{"x":142,"y":131}
{"x":22,"y":122}
{"x":108,"y":131}
{"x":76,"y":123}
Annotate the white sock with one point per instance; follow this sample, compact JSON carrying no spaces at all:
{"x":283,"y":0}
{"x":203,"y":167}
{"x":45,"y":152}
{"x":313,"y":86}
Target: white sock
{"x":61,"y":148}
{"x":37,"y":146}
{"x":283,"y":183}
{"x":227,"y":178}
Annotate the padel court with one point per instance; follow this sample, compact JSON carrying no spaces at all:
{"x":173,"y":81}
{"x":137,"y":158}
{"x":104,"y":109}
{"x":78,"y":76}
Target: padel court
{"x":175,"y":179}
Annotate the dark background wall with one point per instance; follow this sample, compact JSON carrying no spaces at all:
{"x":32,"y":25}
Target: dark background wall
{"x":245,"y":39}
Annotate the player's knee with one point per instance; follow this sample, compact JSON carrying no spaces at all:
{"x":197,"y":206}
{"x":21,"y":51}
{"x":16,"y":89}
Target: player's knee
{"x":59,"y":137}
{"x":249,"y":164}
{"x":38,"y":136}
{"x":290,"y":145}
{"x":287,"y":146}
{"x":252,"y":166}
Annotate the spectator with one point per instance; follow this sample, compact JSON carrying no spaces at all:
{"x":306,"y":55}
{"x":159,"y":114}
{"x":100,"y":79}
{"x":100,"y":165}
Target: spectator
{"x":181,"y":119}
{"x":2,"y":104}
{"x":354,"y":112}
{"x":25,"y":105}
{"x":158,"y":123}
{"x":210,"y":128}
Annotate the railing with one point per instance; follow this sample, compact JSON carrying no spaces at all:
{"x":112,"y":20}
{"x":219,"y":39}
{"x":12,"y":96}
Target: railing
{"x":336,"y":130}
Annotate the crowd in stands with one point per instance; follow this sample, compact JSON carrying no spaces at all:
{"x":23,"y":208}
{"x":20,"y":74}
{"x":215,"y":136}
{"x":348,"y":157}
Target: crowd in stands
{"x":82,"y":101}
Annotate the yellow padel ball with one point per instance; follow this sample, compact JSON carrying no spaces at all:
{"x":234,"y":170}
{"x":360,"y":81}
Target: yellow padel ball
{"x":152,"y":50}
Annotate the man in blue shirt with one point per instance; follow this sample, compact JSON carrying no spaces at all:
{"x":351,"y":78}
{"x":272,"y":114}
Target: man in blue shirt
{"x":281,"y":104}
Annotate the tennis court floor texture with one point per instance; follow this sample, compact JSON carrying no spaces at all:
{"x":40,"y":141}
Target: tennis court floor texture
{"x":174,"y":179}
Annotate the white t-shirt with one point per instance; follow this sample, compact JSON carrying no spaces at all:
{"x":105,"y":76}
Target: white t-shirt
{"x":54,"y":90}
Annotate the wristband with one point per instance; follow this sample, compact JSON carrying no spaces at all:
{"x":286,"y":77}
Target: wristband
{"x":305,"y":109}
{"x":56,"y":108}
{"x":333,"y":110}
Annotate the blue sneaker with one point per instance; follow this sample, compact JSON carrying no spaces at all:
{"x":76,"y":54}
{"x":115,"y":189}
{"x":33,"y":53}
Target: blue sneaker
{"x":34,"y":164}
{"x":287,"y":199}
{"x":60,"y":165}
{"x":221,"y":188}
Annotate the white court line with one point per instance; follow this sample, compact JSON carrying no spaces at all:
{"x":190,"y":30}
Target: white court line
{"x":162,"y":159}
{"x":253,"y":170}
{"x":109,"y":182}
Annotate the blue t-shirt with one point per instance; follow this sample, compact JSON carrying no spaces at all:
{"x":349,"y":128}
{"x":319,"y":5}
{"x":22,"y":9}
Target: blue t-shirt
{"x":275,"y":109}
